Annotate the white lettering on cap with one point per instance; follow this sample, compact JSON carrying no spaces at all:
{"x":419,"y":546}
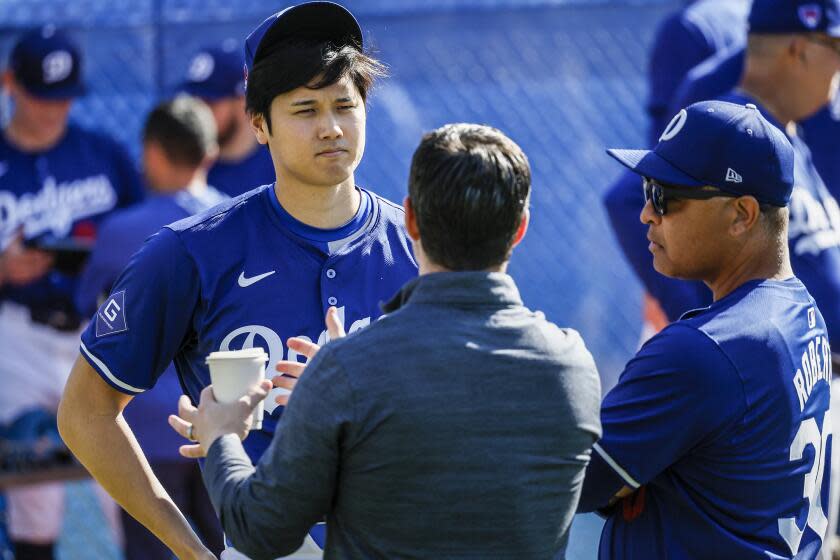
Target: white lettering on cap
{"x":201,"y":67}
{"x":57,"y":66}
{"x":675,"y":126}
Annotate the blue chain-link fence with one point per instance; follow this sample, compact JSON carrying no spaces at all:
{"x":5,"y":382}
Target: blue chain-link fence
{"x":564,"y":79}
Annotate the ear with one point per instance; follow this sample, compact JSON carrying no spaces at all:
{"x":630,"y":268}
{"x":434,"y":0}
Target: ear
{"x":9,"y":82}
{"x":259,"y":128}
{"x":411,"y":220}
{"x":523,"y":227}
{"x":797,"y":49}
{"x":747,"y":213}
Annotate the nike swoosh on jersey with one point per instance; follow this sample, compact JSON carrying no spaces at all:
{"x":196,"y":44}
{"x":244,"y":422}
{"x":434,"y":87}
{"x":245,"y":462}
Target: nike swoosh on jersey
{"x":245,"y":282}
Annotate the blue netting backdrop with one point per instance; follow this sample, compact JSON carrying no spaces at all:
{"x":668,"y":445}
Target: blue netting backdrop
{"x":564,"y":78}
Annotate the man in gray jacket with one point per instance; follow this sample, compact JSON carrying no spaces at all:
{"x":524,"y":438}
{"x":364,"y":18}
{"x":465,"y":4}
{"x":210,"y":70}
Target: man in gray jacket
{"x":457,"y":426}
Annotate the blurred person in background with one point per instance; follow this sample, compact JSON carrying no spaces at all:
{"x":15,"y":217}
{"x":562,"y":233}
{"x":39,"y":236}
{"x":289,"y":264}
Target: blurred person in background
{"x":216,"y":75}
{"x":722,"y":72}
{"x":58,"y":182}
{"x":179,"y":144}
{"x":683,"y":40}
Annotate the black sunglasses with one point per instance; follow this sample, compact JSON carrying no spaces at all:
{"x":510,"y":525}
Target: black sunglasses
{"x":658,"y":194}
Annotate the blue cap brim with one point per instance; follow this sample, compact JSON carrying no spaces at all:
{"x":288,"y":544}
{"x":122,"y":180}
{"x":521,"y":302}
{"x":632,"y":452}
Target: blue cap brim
{"x":57,"y":94}
{"x":648,"y":163}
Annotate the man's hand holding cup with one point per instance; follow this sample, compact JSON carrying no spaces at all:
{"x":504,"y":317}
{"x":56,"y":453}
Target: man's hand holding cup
{"x":231,"y":404}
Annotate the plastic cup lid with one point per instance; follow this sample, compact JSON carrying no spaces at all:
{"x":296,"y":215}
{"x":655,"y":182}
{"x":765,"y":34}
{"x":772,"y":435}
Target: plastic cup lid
{"x":246,"y":354}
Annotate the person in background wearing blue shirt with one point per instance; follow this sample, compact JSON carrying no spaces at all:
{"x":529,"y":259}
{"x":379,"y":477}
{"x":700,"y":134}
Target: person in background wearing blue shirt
{"x":683,"y":40}
{"x":716,"y":436}
{"x":252,"y":272}
{"x":179,"y":144}
{"x":215,"y":75}
{"x":58,"y":182}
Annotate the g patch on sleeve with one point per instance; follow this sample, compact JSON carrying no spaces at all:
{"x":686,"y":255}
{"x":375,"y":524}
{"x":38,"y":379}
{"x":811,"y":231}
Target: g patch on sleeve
{"x":110,"y":318}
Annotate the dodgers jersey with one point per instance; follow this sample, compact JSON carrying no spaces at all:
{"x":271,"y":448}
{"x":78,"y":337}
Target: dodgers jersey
{"x":120,"y":235}
{"x":236,"y":177}
{"x":721,"y":424}
{"x":61,"y":192}
{"x":242,"y":275}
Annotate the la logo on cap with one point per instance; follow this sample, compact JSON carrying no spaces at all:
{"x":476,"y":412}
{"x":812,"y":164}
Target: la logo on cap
{"x":810,"y":15}
{"x":57,"y":66}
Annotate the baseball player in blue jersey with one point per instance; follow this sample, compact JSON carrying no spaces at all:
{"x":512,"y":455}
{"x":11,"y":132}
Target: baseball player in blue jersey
{"x":58,"y":181}
{"x":818,"y":132}
{"x":252,"y":272}
{"x":717,"y":437}
{"x":179,"y":144}
{"x":215,"y":75}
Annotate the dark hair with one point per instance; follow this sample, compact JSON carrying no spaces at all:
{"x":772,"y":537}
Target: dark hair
{"x":184,"y":128}
{"x":290,"y":65}
{"x":469,"y":186}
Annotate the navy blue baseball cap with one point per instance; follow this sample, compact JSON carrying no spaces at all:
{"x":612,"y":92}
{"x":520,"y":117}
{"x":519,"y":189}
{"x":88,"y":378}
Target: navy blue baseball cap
{"x":725,"y":145}
{"x":216,"y":73}
{"x":48,"y":64}
{"x":795,"y":16}
{"x":319,"y":21}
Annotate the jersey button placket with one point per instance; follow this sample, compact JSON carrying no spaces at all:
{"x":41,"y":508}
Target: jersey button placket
{"x":330,"y":273}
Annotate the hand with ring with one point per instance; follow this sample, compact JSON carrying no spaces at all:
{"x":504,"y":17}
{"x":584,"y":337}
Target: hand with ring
{"x":211,"y":419}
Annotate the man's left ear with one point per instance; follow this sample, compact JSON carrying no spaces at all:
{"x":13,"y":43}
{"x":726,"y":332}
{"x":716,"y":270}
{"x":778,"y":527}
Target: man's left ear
{"x":747,"y":212}
{"x":411,"y":220}
{"x":523,"y":227}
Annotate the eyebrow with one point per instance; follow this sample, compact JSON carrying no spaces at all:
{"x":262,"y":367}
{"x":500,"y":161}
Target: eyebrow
{"x":308,"y":102}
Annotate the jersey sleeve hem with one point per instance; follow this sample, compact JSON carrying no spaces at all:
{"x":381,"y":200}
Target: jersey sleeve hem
{"x":619,"y":470}
{"x":112,"y":380}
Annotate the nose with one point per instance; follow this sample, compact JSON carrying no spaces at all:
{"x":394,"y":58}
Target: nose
{"x":330,"y":127}
{"x":648,"y":215}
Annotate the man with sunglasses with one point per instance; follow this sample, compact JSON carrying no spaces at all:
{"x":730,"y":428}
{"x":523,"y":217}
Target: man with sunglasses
{"x":786,"y":68}
{"x":716,"y":436}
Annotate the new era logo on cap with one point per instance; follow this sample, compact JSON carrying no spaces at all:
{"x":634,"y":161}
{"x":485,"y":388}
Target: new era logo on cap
{"x":732,"y":176}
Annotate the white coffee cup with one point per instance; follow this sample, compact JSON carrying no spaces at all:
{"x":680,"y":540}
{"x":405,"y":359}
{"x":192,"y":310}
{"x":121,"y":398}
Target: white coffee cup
{"x":233,"y":373}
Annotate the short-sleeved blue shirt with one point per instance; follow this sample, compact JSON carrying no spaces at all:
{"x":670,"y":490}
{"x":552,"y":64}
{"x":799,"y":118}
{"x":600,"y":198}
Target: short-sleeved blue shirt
{"x":242,"y":275}
{"x":65,"y":191}
{"x":721,"y":425}
{"x":120,"y":236}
